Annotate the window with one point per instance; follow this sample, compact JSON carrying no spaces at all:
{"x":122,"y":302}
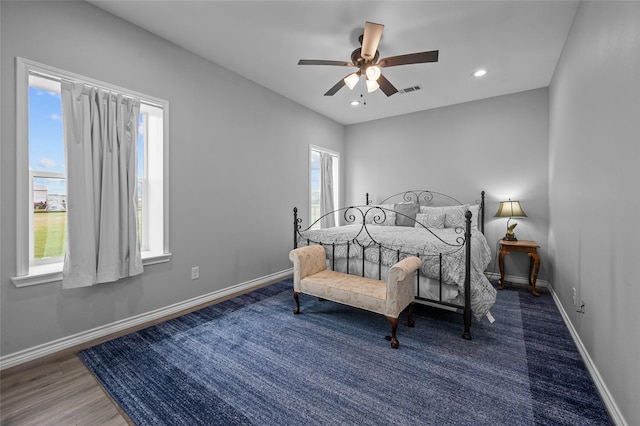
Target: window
{"x":151,"y":172}
{"x":315,"y":175}
{"x":47,"y":175}
{"x":41,"y":174}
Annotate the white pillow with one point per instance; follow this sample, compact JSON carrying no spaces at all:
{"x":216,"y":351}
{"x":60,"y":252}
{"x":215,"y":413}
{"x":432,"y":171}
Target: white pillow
{"x":431,"y":217}
{"x":430,"y":220}
{"x":454,"y":216}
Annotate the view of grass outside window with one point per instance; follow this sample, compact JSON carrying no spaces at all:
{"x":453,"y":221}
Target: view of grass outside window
{"x":49,"y":218}
{"x":50,"y":231}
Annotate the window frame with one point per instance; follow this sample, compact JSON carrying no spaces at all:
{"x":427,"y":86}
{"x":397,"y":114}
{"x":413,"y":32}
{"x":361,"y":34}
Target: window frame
{"x":336,"y":180}
{"x":27,"y":274}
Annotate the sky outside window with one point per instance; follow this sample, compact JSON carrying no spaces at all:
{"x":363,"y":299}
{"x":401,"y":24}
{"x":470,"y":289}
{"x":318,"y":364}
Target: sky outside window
{"x":46,"y":142}
{"x":46,"y":138}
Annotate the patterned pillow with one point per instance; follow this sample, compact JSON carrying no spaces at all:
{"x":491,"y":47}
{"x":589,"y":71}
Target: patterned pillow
{"x":430,"y":220}
{"x":454,"y":216}
{"x":434,"y":218}
{"x":373,"y":212}
{"x":407,"y":216}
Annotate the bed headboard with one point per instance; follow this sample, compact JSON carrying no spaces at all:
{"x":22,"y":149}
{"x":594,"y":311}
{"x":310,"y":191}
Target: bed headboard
{"x":425,"y":197}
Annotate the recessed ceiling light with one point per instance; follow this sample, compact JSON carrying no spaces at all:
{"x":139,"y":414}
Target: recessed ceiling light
{"x":354,"y":103}
{"x":479,"y":73}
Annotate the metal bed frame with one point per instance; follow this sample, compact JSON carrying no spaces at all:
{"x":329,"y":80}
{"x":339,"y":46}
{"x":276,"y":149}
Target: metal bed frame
{"x":357,"y":214}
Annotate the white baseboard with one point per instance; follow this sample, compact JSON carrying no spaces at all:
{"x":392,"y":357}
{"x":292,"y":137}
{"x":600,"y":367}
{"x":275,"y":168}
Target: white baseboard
{"x":606,"y":396}
{"x":84,"y":337}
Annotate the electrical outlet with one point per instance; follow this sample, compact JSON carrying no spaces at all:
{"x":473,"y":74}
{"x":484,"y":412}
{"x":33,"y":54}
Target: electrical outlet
{"x":195,"y":272}
{"x":574,"y":296}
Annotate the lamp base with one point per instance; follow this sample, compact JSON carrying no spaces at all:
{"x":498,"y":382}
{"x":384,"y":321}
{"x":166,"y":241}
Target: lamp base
{"x":510,"y":237}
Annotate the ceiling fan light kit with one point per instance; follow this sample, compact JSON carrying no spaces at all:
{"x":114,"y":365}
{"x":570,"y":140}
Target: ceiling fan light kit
{"x":373,"y":72}
{"x":365,"y":58}
{"x":351,"y":80}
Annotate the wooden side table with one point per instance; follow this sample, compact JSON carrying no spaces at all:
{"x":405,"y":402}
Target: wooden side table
{"x":529,"y":247}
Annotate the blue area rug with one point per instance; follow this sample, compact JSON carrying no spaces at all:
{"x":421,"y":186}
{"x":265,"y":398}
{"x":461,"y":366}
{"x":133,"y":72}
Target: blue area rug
{"x":250,"y":361}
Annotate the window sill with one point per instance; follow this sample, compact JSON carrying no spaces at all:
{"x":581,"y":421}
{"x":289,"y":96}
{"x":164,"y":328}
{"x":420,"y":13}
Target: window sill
{"x":43,"y":274}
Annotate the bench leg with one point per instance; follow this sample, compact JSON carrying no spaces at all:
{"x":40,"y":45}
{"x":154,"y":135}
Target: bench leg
{"x":296,"y":310}
{"x":394,"y":328}
{"x":410,"y":321}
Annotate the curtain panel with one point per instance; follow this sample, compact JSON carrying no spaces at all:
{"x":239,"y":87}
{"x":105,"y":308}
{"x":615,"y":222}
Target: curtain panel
{"x":326,"y":190}
{"x":101,"y":133}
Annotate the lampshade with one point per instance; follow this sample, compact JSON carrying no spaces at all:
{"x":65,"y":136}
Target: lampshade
{"x":373,"y":72}
{"x":351,"y":80}
{"x":510,"y":209}
{"x":372,"y":86}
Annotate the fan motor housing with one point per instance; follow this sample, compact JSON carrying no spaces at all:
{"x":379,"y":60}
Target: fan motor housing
{"x":359,"y":61}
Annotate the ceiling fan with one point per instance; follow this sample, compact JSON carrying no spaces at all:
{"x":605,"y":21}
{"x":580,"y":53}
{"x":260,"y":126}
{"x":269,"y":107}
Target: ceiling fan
{"x":365,"y":58}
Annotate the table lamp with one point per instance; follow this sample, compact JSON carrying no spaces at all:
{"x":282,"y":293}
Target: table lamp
{"x":510,"y":209}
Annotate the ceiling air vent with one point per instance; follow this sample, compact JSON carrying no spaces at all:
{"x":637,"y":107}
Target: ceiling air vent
{"x":410,"y":89}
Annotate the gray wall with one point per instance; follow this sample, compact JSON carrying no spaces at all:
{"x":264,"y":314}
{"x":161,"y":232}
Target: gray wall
{"x":575,"y":144}
{"x":499,"y":145}
{"x":594,"y":195}
{"x":243,"y":146}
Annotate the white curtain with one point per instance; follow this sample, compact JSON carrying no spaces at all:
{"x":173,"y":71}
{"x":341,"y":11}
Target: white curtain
{"x":101,"y":133}
{"x":326,"y":190}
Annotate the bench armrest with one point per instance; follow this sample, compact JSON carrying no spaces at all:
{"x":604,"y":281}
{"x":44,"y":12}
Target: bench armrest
{"x":307,"y":261}
{"x":400,"y":280}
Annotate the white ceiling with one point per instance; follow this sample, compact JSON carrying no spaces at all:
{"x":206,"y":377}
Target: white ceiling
{"x":517,"y":42}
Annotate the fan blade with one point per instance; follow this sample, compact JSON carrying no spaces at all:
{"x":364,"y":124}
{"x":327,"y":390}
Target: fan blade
{"x":322,"y":62}
{"x":412,"y":58}
{"x":370,"y":39}
{"x":335,"y":88}
{"x":386,"y":86}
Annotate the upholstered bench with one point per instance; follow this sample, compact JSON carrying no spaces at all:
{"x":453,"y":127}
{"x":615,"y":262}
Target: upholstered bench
{"x":390,"y":298}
